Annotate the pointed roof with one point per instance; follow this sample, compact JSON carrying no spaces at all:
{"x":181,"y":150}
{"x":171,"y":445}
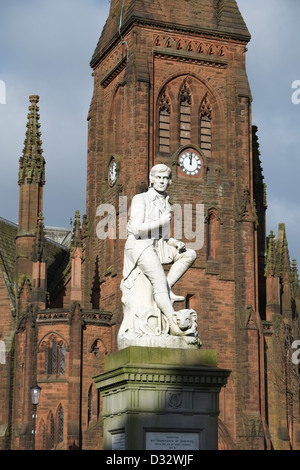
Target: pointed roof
{"x":199,"y":16}
{"x":58,"y":256}
{"x":8,"y":232}
{"x":32,"y":162}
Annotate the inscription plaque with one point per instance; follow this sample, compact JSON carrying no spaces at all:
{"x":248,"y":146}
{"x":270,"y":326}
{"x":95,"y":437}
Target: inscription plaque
{"x":172,"y":441}
{"x":118,"y":441}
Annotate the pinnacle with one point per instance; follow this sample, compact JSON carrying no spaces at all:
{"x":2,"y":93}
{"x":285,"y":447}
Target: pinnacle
{"x":32,"y":163}
{"x":38,"y":253}
{"x":76,"y":237}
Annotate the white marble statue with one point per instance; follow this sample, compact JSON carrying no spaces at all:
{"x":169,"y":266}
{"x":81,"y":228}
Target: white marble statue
{"x":147,"y":296}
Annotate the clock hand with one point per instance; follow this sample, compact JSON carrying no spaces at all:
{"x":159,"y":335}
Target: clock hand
{"x":191,"y":158}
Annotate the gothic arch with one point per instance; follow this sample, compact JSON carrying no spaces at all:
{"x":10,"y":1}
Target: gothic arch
{"x":98,"y":347}
{"x":59,"y":424}
{"x":192,"y":79}
{"x":115,"y":122}
{"x":50,"y":335}
{"x":201,"y":48}
{"x":205,"y":125}
{"x":50,"y":431}
{"x":93,"y":403}
{"x":191,"y":47}
{"x":52,"y":355}
{"x":170,"y":43}
{"x":180,"y":45}
{"x":185,"y":126}
{"x":41,"y":435}
{"x":225,"y":441}
{"x":213,"y":233}
{"x":158,"y":42}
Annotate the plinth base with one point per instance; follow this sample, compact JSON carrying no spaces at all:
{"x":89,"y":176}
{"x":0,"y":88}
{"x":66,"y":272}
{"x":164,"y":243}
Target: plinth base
{"x":161,"y":399}
{"x":153,"y":341}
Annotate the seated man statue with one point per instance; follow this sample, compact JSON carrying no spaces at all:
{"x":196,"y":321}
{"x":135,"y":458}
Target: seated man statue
{"x":147,"y":248}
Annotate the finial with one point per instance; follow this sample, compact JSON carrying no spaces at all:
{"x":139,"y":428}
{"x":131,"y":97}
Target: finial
{"x":34,"y":99}
{"x":76,"y":237}
{"x":271,"y":256}
{"x":32,"y":162}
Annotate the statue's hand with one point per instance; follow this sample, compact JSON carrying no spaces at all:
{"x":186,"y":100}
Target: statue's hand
{"x":181,"y":247}
{"x":165,"y":218}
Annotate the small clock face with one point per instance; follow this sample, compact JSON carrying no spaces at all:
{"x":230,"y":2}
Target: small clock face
{"x":190,"y":162}
{"x":112,"y":172}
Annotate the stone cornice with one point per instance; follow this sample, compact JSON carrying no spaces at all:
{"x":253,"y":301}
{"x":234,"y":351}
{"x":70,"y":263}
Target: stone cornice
{"x":200,"y":59}
{"x":162,"y":26}
{"x":114,"y":72}
{"x":170,"y":54}
{"x":95,"y":317}
{"x":201,"y":377}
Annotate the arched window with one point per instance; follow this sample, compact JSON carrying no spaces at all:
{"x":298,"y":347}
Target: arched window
{"x":44,"y":437}
{"x":60,"y":424}
{"x":185,"y":115}
{"x":62,"y":359}
{"x":115,"y":131}
{"x":213,"y":235}
{"x":164,"y":124}
{"x":205,"y":127}
{"x":90,"y":404}
{"x":55,"y":356}
{"x":41,"y":436}
{"x":52,"y":432}
{"x":55,"y":426}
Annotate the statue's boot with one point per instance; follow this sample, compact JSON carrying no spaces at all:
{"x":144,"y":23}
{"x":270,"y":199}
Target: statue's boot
{"x":165,"y":306}
{"x":176,"y":272}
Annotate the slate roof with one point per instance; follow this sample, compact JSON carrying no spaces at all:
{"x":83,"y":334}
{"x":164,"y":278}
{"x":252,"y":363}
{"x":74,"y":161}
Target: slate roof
{"x":219,"y":17}
{"x":8,"y":231}
{"x":58,"y":256}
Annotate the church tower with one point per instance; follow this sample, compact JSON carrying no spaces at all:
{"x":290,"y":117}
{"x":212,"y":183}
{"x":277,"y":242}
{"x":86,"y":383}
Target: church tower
{"x":31,"y":182}
{"x":170,"y":86}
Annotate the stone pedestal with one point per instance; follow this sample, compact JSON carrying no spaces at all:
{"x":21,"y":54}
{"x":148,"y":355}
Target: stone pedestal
{"x":161,"y":399}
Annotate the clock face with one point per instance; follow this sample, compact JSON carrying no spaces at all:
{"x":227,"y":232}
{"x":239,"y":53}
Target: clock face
{"x":112,"y":172}
{"x":190,"y":162}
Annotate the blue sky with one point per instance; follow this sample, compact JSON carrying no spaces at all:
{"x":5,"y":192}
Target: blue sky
{"x":45,"y":49}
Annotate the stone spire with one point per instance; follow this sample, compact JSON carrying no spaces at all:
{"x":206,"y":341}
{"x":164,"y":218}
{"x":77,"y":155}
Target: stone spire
{"x":31,"y":182}
{"x":76,"y":260}
{"x":271,"y":272}
{"x":271,"y":256}
{"x":286,"y":297}
{"x":76,"y":237}
{"x":32,"y":162}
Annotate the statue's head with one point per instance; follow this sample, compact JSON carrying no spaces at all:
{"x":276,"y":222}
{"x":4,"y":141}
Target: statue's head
{"x":160,"y":169}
